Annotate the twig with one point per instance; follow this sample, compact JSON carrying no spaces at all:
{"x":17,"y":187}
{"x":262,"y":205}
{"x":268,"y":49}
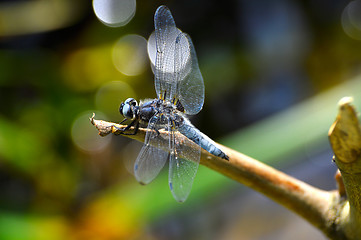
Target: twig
{"x":321,"y":208}
{"x":345,"y":139}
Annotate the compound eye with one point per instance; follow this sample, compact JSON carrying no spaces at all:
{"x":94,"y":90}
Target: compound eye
{"x":121,"y":108}
{"x":134,"y":103}
{"x":131,"y":101}
{"x":127,"y":111}
{"x":127,"y":108}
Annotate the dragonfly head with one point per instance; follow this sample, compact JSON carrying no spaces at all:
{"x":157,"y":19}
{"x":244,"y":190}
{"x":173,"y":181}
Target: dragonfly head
{"x":127,"y":108}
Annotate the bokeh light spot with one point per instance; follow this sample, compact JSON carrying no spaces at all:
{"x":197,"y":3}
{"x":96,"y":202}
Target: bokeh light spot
{"x":152,"y":48}
{"x":351,"y":19}
{"x":114,"y":13}
{"x":109,"y":97}
{"x":86,"y":69}
{"x":130,"y":55}
{"x":84,"y":134}
{"x":183,"y":47}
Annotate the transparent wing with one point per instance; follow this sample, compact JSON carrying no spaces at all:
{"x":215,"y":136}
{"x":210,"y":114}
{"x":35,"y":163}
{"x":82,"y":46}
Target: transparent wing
{"x":151,"y":158}
{"x":177,"y":74}
{"x":166,"y":33}
{"x":183,"y":166}
{"x":190,"y":86}
{"x":130,"y":154}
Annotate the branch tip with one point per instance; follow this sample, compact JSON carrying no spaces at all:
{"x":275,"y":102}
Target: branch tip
{"x":92,"y":118}
{"x":345,"y":101}
{"x":345,"y":132}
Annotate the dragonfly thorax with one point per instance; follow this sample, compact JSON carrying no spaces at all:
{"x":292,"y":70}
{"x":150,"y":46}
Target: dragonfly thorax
{"x":162,"y":109}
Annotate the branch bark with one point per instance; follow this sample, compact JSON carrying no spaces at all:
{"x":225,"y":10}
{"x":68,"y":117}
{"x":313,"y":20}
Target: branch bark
{"x":345,"y":139}
{"x":326,"y":210}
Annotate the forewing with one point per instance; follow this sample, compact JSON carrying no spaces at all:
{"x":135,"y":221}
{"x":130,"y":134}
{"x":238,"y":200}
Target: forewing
{"x":165,"y":32}
{"x":183,"y":166}
{"x":177,"y":74}
{"x":151,"y":158}
{"x":190,"y":86}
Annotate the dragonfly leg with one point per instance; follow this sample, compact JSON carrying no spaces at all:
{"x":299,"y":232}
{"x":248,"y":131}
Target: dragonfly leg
{"x":128,"y":127}
{"x":157,"y":133}
{"x":123,"y":121}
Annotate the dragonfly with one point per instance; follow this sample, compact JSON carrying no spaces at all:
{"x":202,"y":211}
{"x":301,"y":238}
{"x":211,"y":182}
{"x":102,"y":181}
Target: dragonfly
{"x":180,"y":92}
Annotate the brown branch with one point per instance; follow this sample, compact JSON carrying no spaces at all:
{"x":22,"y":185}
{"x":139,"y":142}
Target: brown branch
{"x":345,"y":139}
{"x":320,"y":208}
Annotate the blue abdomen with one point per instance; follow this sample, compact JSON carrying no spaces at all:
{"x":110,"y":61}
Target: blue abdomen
{"x":202,"y":140}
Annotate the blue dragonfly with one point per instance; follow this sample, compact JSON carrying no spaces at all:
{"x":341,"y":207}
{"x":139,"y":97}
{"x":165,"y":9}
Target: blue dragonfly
{"x":180,"y":91}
